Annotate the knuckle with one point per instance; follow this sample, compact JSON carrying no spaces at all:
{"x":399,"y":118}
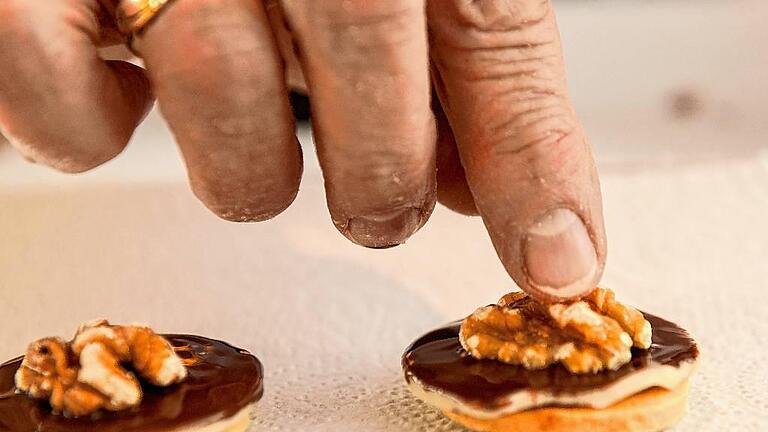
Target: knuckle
{"x":553,"y":159}
{"x":502,"y":15}
{"x":223,"y":40}
{"x":239,"y":66}
{"x":500,"y":40}
{"x":530,"y":134}
{"x":229,"y":116}
{"x":59,"y":139}
{"x":227,"y":124}
{"x":233,"y":53}
{"x":534,"y":135}
{"x":511,"y":62}
{"x":350,"y":28}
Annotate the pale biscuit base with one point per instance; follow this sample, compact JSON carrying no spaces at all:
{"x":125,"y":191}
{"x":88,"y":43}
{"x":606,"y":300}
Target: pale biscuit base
{"x":239,"y":422}
{"x":652,"y":410}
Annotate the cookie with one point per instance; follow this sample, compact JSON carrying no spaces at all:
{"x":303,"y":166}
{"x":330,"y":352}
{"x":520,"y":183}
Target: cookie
{"x":539,"y":387}
{"x":218,"y":393}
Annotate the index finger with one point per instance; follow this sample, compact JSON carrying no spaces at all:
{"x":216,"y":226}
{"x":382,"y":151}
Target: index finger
{"x":527,"y":161}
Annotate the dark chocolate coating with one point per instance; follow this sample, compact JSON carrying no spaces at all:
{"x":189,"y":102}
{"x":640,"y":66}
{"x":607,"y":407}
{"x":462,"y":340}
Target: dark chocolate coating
{"x":222,"y":380}
{"x":438,"y":362}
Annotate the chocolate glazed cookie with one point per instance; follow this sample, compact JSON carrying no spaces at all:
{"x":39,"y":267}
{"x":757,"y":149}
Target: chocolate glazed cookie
{"x":521,"y":373}
{"x":222,"y":386}
{"x":437,"y":361}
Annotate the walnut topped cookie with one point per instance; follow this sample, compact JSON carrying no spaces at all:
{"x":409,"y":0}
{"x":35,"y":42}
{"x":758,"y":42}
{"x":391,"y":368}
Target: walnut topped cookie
{"x":590,"y":335}
{"x":589,"y":365}
{"x":129,"y":378}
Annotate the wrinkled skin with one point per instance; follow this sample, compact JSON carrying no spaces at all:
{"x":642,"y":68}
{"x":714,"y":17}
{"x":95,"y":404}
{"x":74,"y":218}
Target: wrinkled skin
{"x":500,"y":140}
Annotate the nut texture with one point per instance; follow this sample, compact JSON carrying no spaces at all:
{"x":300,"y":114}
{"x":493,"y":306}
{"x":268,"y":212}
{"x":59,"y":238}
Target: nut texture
{"x":85,"y":375}
{"x":586,"y":336}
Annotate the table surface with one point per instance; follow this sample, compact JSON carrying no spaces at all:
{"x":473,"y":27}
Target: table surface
{"x":686,"y":202}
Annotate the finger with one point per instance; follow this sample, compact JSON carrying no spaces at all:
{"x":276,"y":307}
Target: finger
{"x":221,"y":87}
{"x":367,"y":70}
{"x":60,"y":103}
{"x":452,"y":188}
{"x":294,"y":76}
{"x":526,"y":157}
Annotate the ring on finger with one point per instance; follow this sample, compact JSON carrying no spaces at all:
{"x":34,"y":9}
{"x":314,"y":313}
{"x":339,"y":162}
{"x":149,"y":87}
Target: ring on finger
{"x":134,"y":15}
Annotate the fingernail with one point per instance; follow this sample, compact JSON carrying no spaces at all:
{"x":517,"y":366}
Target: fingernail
{"x":560,"y":258}
{"x":384,"y":230}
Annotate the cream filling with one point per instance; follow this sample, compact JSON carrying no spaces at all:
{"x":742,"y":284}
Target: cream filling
{"x":669,"y":377}
{"x":236,"y":423}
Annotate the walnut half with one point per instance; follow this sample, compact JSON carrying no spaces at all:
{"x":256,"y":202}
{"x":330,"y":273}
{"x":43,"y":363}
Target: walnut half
{"x":85,"y":375}
{"x":586,"y":336}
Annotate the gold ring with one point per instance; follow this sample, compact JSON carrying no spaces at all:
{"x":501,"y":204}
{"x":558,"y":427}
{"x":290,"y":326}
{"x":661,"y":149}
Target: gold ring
{"x":134,"y":15}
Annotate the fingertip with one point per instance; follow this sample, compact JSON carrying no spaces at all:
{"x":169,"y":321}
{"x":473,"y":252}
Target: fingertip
{"x":559,"y":258}
{"x":242,"y":199}
{"x":244,"y":210}
{"x":526,"y":157}
{"x":383,"y":230}
{"x":380,"y":226}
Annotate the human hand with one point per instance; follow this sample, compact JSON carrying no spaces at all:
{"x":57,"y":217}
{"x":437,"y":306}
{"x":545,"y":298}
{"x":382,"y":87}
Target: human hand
{"x":509,"y":145}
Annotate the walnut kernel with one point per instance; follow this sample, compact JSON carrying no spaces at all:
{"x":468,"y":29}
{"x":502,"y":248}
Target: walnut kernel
{"x":590,"y":335}
{"x":85,"y":375}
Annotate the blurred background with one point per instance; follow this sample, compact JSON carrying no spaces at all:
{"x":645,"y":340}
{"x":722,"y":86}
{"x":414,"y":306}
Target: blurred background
{"x":674,"y":97}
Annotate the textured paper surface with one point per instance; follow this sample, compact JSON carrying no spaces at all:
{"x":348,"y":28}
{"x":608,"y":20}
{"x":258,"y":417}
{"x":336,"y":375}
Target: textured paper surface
{"x":330,"y":320}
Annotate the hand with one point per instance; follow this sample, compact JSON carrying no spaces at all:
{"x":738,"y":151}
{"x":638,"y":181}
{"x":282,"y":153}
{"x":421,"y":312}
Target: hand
{"x":509,"y":145}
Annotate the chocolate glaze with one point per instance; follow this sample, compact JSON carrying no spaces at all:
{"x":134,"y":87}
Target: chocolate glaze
{"x":222,"y":381}
{"x":438,"y":362}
